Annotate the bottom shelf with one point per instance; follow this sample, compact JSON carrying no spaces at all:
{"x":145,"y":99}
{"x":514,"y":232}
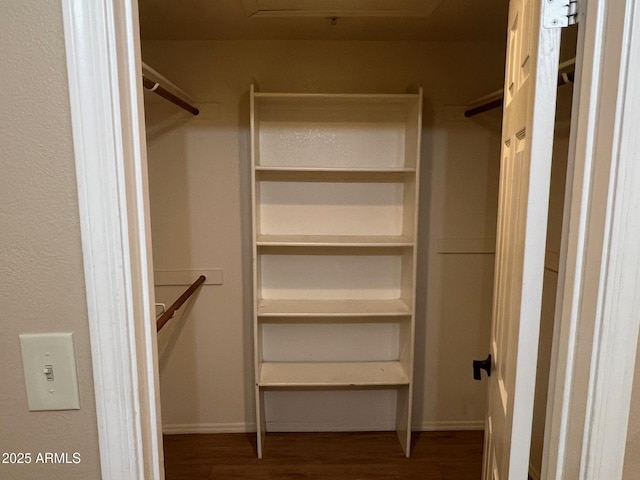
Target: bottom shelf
{"x":330,"y":374}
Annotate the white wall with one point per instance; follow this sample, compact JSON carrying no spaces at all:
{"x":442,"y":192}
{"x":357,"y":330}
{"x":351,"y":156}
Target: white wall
{"x":199,"y":183}
{"x":40,"y":252}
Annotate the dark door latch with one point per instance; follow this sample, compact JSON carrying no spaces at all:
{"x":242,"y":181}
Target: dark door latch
{"x":481,"y":365}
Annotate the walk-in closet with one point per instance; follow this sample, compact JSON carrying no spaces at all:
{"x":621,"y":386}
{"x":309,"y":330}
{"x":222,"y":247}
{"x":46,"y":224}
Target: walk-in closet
{"x":343,"y":211}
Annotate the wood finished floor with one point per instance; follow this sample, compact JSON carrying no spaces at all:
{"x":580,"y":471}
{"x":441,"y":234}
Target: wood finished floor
{"x":330,"y":456}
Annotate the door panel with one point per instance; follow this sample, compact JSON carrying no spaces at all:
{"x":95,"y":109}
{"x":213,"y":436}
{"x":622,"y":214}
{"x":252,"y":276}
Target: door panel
{"x":527,"y":136}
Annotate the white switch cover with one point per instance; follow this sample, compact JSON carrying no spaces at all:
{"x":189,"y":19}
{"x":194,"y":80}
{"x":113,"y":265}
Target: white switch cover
{"x":50,"y":371}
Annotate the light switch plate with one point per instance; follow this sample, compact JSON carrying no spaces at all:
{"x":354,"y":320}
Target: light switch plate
{"x":50,"y":375}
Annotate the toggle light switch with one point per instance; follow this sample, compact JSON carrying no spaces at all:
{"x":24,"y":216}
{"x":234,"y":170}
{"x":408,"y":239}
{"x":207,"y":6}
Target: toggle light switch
{"x":49,"y":366}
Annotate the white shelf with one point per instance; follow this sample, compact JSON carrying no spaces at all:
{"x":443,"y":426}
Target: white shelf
{"x":401,"y":98}
{"x":332,"y":308}
{"x":334,"y":241}
{"x":335,"y":181}
{"x":335,"y":175}
{"x":265,"y":170}
{"x":339,"y":374}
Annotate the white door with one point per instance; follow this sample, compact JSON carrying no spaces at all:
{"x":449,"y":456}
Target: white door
{"x":527,"y":136}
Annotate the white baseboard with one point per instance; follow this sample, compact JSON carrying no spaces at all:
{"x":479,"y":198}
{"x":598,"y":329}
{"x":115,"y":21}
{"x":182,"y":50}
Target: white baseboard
{"x":243,"y":427}
{"x":180,"y":428}
{"x":453,"y":425}
{"x":328,"y":427}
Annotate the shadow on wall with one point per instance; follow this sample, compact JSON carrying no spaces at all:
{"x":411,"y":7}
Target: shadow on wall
{"x":174,"y":328}
{"x":171,"y":238}
{"x":464,"y":189}
{"x":423,"y":261}
{"x":199,"y":197}
{"x":244,"y":147}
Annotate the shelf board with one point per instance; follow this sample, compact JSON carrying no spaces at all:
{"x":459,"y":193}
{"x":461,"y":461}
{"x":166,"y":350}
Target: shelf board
{"x":330,"y":374}
{"x":332,"y":308}
{"x":403,"y":98}
{"x":334,"y":240}
{"x":312,"y":174}
{"x":283,"y":168}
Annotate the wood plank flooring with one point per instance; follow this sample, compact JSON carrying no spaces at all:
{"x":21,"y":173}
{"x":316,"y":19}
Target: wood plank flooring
{"x":324,"y":456}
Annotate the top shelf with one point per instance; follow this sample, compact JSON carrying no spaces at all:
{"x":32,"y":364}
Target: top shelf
{"x":266,"y":97}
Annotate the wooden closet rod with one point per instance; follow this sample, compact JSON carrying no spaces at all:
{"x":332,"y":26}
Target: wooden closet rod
{"x":152,"y":80}
{"x":167,"y":95}
{"x":496,"y":99}
{"x":485,"y":107}
{"x":168,"y":315}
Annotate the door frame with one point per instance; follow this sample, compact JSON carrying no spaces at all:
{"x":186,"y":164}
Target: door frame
{"x":104,"y":68}
{"x":596,"y":325}
{"x":598,"y":258}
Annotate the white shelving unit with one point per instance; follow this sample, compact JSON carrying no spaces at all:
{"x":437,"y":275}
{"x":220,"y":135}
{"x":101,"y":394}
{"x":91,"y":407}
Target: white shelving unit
{"x":335,"y":195}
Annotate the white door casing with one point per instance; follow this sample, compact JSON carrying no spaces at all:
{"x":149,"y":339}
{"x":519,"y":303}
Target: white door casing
{"x":104,"y":68}
{"x":596,"y":323}
{"x":527,"y":136}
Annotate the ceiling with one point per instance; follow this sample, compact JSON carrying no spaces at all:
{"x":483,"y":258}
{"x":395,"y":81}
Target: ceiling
{"x":435,"y":20}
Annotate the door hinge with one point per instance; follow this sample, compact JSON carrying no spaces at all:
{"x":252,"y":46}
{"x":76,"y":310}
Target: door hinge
{"x":559,"y":13}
